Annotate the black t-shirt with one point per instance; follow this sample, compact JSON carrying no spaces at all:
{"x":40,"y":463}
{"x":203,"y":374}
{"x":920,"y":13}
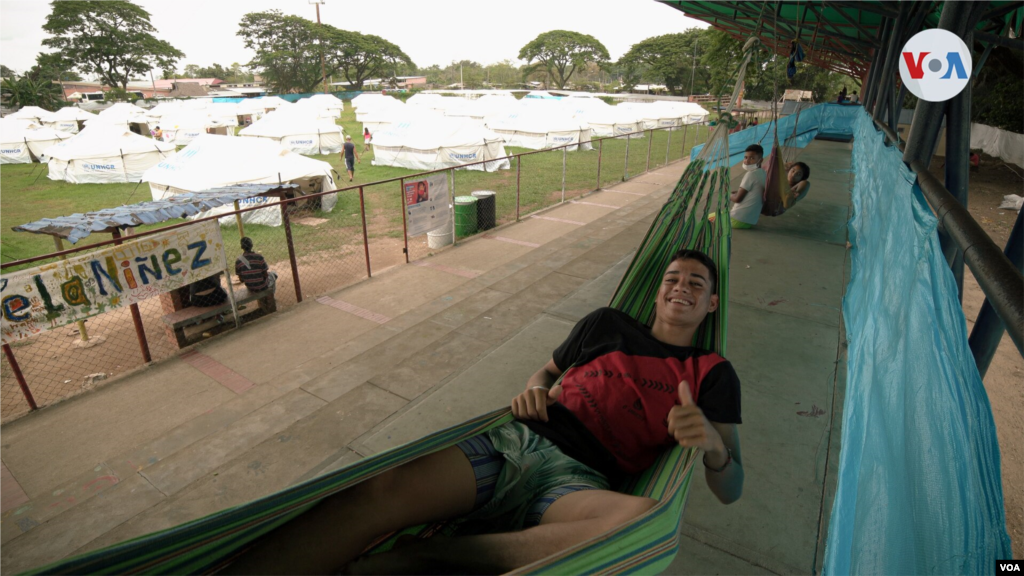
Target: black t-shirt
{"x":619,"y":385}
{"x":350,"y":151}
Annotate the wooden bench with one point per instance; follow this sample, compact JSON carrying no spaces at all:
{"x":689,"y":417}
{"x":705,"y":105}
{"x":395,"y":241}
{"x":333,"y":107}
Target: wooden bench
{"x":194,"y":315}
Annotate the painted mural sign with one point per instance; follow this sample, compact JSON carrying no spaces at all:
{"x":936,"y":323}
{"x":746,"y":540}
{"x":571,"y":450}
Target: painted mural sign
{"x":427,"y":204}
{"x":60,"y":293}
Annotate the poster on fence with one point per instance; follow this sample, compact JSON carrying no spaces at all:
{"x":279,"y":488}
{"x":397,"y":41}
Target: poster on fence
{"x":63,"y":292}
{"x":426,"y":204}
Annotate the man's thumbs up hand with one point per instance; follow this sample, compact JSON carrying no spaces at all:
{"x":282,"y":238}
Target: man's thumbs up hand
{"x":687,"y":424}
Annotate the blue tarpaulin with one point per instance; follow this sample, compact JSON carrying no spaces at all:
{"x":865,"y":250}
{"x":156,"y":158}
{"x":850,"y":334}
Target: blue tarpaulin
{"x":834,"y":118}
{"x":919,"y":487}
{"x":77,"y":226}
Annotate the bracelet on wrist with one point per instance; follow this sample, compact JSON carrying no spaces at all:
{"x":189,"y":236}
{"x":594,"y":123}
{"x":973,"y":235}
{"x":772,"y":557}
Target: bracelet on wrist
{"x":728,"y":460}
{"x":540,"y":387}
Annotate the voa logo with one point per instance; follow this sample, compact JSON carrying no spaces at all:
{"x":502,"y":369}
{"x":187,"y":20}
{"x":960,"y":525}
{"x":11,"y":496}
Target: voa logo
{"x":935,"y":65}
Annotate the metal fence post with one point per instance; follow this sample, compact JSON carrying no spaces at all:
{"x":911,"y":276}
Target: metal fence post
{"x":650,"y":142}
{"x":455,"y":241}
{"x":366,"y":241}
{"x":625,"y":170}
{"x":564,"y":148}
{"x":519,"y":169}
{"x":405,"y":229}
{"x":600,"y":149}
{"x":291,"y":249}
{"x":682,"y":154}
{"x":140,"y":331}
{"x":19,"y":377}
{"x":669,"y":145}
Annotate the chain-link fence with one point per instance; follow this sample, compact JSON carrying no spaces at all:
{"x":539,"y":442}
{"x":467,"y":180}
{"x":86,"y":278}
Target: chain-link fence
{"x":315,"y":252}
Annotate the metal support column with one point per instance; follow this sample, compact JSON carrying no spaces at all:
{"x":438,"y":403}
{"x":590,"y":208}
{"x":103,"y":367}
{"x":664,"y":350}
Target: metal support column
{"x":870,"y":89}
{"x":988,"y":328}
{"x":958,"y":164}
{"x":291,"y":249}
{"x":891,"y":63}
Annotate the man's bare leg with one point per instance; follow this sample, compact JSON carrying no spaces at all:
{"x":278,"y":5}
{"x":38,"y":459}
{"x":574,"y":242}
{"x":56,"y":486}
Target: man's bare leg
{"x":572,"y":519}
{"x":435,"y":487}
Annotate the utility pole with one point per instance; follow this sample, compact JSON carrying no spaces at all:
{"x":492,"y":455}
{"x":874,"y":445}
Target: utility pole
{"x":462,"y":84}
{"x":693,"y":71}
{"x":323,"y":68}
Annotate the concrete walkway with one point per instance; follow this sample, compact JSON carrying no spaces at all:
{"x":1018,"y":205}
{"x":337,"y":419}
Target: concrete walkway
{"x":424,"y":346}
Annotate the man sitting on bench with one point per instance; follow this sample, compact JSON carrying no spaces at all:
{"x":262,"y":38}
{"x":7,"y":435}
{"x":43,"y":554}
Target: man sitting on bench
{"x":252,"y":269}
{"x":543,"y":482}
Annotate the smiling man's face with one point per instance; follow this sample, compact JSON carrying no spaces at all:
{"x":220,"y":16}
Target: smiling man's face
{"x":685,"y":297}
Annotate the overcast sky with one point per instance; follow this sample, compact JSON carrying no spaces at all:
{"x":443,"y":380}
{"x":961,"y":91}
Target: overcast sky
{"x":434,"y":32}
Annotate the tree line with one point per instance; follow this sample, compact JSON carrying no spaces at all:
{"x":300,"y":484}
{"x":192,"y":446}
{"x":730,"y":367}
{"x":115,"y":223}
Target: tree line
{"x":115,"y":40}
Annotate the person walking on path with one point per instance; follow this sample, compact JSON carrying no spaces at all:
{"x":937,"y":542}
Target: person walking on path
{"x":351,"y":157}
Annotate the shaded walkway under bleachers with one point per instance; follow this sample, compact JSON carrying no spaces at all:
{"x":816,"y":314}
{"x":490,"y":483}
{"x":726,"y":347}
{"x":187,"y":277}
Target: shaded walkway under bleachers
{"x":420,"y":347}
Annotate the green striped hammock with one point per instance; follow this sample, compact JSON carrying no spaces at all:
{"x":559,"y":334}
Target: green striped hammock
{"x":646,"y":544}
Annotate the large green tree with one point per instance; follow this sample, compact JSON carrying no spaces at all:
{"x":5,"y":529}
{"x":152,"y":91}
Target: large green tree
{"x":111,"y":38}
{"x":287,"y":49}
{"x":669,"y":59}
{"x":53,"y":67}
{"x":562,"y":52}
{"x":359,"y":57}
{"x":6,"y":72}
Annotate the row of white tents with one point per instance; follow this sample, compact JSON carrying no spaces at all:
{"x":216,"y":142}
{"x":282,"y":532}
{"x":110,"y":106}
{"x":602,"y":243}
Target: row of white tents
{"x":431,"y":131}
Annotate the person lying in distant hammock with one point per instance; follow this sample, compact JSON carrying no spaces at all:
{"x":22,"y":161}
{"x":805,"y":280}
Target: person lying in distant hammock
{"x":543,"y":482}
{"x":797,"y":175}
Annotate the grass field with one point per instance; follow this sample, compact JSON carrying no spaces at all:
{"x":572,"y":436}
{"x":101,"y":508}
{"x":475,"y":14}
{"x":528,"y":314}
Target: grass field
{"x":26,"y":194}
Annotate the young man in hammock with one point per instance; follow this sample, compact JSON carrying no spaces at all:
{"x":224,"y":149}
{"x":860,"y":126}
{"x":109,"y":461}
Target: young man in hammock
{"x":546,"y":480}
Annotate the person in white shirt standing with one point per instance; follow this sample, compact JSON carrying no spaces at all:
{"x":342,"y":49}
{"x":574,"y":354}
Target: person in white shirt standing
{"x":748,"y":199}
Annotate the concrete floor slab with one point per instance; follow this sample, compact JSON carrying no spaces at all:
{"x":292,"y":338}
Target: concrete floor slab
{"x":503,"y":320}
{"x":174,"y":473}
{"x":478,"y":254}
{"x":422,"y":371}
{"x":399,"y":290}
{"x":275,"y":463}
{"x":531,"y":230}
{"x":320,"y":324}
{"x":471,"y":307}
{"x":489,"y":384}
{"x":787,"y":369}
{"x":766,"y":273}
{"x":808,"y":219}
{"x":133,"y":411}
{"x":696,"y":558}
{"x":54,"y":540}
{"x":381,"y":357}
{"x":592,"y":295}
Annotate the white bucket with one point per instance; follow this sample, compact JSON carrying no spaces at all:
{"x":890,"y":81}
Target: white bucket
{"x":439,"y":238}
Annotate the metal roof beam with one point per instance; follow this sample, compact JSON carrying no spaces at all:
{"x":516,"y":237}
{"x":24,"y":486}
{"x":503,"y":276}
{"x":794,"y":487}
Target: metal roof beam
{"x":1006,"y":41}
{"x":879,"y":9}
{"x":839,"y":34}
{"x":1000,"y":11}
{"x":856,"y":24}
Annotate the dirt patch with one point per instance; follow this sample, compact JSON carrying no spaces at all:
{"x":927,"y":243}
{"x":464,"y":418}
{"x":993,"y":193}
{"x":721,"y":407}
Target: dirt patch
{"x":1004,"y":377}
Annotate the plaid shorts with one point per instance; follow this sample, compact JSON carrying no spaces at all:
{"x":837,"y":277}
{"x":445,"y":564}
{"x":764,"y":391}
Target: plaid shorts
{"x":519,"y":474}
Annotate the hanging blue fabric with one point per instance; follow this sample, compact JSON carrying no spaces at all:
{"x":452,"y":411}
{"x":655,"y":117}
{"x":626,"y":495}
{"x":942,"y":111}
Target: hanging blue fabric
{"x":796,"y":54}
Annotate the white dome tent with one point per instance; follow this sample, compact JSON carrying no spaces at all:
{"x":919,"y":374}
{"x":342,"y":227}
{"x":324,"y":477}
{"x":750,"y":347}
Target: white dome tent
{"x":101,"y":154}
{"x":299,"y":132}
{"x":381,"y":119}
{"x":431,"y":143}
{"x":326,"y":102}
{"x":377,"y":105}
{"x":123,"y":115}
{"x":613,"y":121}
{"x":23,"y":141}
{"x":32,"y":113}
{"x":367,"y":99}
{"x":667,"y":114}
{"x":212,"y":161}
{"x":181,"y":127}
{"x":538,"y":128}
{"x":69,"y":119}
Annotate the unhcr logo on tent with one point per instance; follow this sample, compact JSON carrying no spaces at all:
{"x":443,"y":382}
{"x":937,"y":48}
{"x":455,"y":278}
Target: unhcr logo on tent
{"x":10,"y":151}
{"x":302,"y":141}
{"x":100,"y":167}
{"x":562,"y":138}
{"x":936,"y":65}
{"x":462,"y":156}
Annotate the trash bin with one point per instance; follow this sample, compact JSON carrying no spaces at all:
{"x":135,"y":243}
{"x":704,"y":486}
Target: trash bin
{"x":465,"y":216}
{"x":440,"y":238}
{"x":485,"y":209}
